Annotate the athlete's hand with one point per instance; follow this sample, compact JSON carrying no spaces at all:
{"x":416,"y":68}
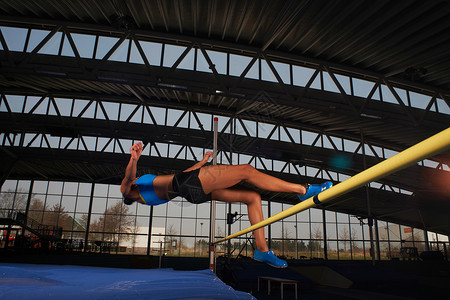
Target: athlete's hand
{"x":136,"y":150}
{"x":207,"y":156}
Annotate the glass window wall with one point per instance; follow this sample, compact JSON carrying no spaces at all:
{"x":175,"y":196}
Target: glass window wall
{"x":183,"y":228}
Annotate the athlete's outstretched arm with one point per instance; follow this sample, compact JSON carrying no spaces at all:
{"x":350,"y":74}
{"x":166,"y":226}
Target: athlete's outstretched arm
{"x":200,"y":163}
{"x":130,"y":172}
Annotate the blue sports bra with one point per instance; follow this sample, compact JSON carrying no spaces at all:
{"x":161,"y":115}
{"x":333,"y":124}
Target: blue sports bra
{"x":146,"y":190}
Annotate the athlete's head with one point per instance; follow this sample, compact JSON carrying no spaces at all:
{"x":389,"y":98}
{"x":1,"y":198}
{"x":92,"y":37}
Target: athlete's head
{"x":128,"y":201}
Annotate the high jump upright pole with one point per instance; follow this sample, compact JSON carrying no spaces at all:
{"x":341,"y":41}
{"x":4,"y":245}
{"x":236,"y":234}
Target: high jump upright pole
{"x":438,"y":143}
{"x":212,"y":217}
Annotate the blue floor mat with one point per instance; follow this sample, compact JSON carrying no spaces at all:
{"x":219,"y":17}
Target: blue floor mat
{"x":27,"y":281}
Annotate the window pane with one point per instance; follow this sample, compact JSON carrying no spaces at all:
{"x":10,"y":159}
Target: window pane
{"x":16,"y":103}
{"x":14,"y":37}
{"x":361,"y":87}
{"x":171,"y":54}
{"x":238,"y":63}
{"x":52,"y":46}
{"x":101,"y":190}
{"x":328,"y":83}
{"x":188,"y":61}
{"x":121,"y":53}
{"x":266,"y":72}
{"x":188,"y":227}
{"x":85,"y":44}
{"x":104,"y":45}
{"x":419,"y":100}
{"x":152,"y":51}
{"x":68,"y":203}
{"x":302,"y":75}
{"x":99,"y":205}
{"x":82,"y":204}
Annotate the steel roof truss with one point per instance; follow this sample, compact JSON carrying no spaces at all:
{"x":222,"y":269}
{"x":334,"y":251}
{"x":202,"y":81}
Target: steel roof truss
{"x":340,"y":88}
{"x":400,"y":101}
{"x":41,"y":44}
{"x":100,"y":103}
{"x":33,"y":139}
{"x":37,"y":104}
{"x":427,"y":109}
{"x":310,"y":81}
{"x":244,"y":73}
{"x":244,"y":127}
{"x":331,"y":141}
{"x":107,"y":144}
{"x":68,"y":143}
{"x":180,"y":151}
{"x":182,"y":56}
{"x":85,"y":108}
{"x":142,"y":53}
{"x":6,"y":49}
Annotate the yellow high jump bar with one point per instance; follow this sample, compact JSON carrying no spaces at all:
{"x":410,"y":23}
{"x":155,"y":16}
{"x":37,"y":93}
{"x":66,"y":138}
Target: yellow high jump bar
{"x":437,"y":143}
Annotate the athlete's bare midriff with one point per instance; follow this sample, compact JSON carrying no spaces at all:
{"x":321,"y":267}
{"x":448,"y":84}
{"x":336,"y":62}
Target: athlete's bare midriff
{"x":162,"y":185}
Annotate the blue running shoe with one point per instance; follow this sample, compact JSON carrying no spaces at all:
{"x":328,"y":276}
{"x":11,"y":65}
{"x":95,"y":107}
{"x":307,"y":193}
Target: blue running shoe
{"x":269,"y":258}
{"x":315,"y":189}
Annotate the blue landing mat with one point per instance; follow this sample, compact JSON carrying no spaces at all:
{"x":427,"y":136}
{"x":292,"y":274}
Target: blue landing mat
{"x":27,"y":281}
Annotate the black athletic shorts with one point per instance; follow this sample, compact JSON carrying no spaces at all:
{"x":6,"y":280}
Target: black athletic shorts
{"x":188,"y":186}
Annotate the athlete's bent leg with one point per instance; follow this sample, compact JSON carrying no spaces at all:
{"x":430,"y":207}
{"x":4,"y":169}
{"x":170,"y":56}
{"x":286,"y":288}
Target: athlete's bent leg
{"x":255,"y":215}
{"x":254,"y":209}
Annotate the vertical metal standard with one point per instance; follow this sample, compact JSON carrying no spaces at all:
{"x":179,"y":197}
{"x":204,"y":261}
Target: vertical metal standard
{"x":91,"y":200}
{"x":229,"y":232}
{"x":233,"y":133}
{"x":324,"y":224}
{"x":27,"y":208}
{"x":425,"y":233}
{"x":427,"y":242}
{"x":150,"y":225}
{"x":369,"y":210}
{"x":269,"y":228}
{"x":160,"y":253}
{"x":296,"y":238}
{"x":377,"y":240}
{"x":212,"y":222}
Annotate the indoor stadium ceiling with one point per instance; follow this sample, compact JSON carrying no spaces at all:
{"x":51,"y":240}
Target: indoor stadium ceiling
{"x":399,"y":44}
{"x":401,"y":39}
